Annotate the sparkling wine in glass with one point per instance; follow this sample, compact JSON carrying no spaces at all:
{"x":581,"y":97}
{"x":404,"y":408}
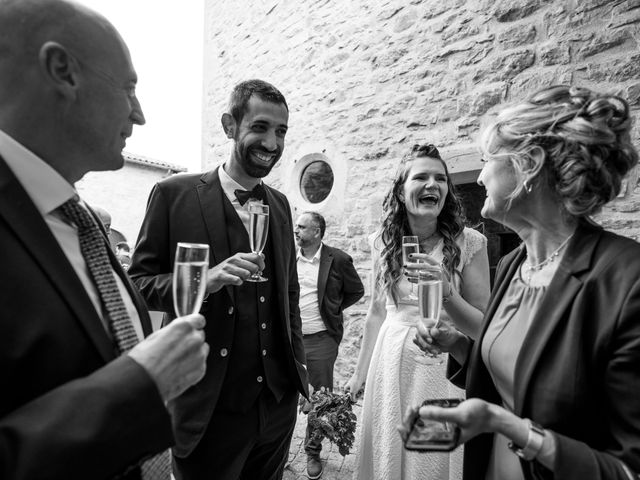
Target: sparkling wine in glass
{"x":410,"y":245}
{"x":430,"y":304}
{"x":258,"y":232}
{"x":190,"y":277}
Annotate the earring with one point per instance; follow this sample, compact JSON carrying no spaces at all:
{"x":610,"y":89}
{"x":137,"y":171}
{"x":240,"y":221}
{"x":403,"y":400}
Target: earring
{"x":527,"y":186}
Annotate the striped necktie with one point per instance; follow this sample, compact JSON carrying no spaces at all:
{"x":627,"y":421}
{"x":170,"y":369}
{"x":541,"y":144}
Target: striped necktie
{"x":93,"y":246}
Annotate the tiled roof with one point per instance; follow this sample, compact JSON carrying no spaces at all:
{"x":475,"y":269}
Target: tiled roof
{"x":142,"y":160}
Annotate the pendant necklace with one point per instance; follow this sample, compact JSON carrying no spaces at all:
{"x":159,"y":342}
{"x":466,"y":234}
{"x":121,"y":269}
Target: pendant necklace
{"x":547,"y":261}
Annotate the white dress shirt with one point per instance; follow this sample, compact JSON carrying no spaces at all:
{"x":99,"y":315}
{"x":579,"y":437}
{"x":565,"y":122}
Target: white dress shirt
{"x":308,"y":270}
{"x":229,"y":186}
{"x":48,"y":190}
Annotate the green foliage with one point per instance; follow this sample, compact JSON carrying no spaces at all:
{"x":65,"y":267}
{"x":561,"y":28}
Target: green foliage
{"x":331,"y":416}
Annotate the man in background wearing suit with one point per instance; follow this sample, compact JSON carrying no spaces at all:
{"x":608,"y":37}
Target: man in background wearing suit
{"x":79,"y":398}
{"x":328,"y":284}
{"x":237,"y":422}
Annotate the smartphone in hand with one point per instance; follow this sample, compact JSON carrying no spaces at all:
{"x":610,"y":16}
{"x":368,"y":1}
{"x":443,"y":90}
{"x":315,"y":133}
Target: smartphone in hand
{"x":433,"y":435}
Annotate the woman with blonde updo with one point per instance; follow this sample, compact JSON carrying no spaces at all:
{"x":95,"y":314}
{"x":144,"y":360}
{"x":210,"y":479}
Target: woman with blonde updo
{"x":553,"y":378}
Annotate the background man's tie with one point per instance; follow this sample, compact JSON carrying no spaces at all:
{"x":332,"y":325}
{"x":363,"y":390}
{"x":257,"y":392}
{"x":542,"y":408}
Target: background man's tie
{"x":93,"y":246}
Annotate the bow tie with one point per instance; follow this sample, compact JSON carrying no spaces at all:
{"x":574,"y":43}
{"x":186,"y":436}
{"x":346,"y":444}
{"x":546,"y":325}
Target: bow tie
{"x":258,"y":193}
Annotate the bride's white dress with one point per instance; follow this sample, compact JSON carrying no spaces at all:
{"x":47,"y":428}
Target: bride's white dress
{"x":397,"y":379}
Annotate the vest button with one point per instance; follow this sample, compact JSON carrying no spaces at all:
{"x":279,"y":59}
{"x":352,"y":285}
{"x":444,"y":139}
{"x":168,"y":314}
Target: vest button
{"x":264,"y":353}
{"x":230,"y":311}
{"x":224,"y":352}
{"x":264,"y":326}
{"x":259,"y":379}
{"x":261,"y":299}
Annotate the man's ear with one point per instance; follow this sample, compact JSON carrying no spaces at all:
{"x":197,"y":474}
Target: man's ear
{"x":59,"y":67}
{"x":229,"y":125}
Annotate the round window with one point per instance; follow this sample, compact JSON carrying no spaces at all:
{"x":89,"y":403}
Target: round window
{"x":316,"y":181}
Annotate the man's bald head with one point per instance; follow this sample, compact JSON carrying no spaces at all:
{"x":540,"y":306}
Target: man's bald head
{"x":67,"y":85}
{"x":26,"y":25}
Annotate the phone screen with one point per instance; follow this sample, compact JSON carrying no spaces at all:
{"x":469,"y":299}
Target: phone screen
{"x":433,"y":435}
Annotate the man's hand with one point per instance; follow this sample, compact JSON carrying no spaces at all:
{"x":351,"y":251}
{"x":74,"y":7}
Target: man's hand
{"x":234,"y":270}
{"x":174,"y":356}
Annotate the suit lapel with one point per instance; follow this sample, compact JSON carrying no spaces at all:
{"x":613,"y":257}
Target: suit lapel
{"x":210,"y":195}
{"x":277,"y":231}
{"x":326,"y":259}
{"x":28,"y":225}
{"x":558,"y":297}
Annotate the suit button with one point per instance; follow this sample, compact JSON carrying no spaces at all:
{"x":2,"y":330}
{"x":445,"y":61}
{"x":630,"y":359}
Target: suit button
{"x":261,"y":299}
{"x":259,"y":379}
{"x":264,"y":353}
{"x":264,"y":326}
{"x":230,"y":311}
{"x":224,"y":352}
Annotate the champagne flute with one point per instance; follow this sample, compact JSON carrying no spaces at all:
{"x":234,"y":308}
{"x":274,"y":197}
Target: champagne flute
{"x":190,"y":277}
{"x":258,"y":232}
{"x":430,"y":305}
{"x":410,"y":245}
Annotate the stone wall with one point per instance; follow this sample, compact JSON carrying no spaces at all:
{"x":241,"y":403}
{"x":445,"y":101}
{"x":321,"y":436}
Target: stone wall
{"x":365,"y":80}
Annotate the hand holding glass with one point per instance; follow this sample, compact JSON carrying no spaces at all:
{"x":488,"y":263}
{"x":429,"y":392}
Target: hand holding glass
{"x":430,"y":303}
{"x":258,"y":232}
{"x":190,"y":277}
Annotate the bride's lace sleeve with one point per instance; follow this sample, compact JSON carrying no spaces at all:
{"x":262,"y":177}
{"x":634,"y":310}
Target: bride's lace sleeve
{"x":473,"y":242}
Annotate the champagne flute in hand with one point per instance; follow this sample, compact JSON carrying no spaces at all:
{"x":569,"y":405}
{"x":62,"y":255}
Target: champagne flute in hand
{"x":430,"y":304}
{"x":258,"y":231}
{"x":410,"y":245}
{"x":190,"y":277}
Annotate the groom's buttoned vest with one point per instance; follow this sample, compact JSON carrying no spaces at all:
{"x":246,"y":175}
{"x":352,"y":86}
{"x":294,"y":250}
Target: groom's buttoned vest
{"x":257,"y":356}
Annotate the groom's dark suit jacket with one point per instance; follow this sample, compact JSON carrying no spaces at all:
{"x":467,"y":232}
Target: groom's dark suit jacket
{"x":68,"y":408}
{"x":191,"y":208}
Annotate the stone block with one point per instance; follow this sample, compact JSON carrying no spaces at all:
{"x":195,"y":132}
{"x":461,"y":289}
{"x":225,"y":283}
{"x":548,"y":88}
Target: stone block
{"x":619,"y":70}
{"x":481,"y":101}
{"x":460,"y":30}
{"x":603,"y":41}
{"x":529,"y":82}
{"x":506,"y":66}
{"x":404,"y":22}
{"x":511,"y":10}
{"x":517,"y":36}
{"x":554,"y":54}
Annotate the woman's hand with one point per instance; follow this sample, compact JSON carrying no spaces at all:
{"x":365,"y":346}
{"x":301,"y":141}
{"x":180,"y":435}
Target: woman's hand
{"x":422,"y":261}
{"x":354,"y":386}
{"x":436,"y":340}
{"x":473,"y":416}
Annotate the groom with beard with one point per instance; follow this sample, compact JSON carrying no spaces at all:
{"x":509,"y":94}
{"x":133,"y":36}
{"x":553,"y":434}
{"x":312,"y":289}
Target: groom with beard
{"x":238,"y":421}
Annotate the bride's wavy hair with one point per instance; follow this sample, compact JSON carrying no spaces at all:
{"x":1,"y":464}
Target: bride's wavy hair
{"x":395,"y":224}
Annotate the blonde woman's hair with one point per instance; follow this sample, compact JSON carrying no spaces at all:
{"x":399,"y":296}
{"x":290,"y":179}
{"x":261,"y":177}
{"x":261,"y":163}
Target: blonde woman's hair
{"x":583,"y":135}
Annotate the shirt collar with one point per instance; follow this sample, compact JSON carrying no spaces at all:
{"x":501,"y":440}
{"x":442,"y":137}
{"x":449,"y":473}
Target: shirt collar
{"x":229,"y":185}
{"x":316,"y":256}
{"x":44,"y":185}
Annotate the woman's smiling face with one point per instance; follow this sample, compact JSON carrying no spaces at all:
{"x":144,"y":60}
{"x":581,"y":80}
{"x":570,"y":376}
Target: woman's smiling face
{"x":425,"y":189}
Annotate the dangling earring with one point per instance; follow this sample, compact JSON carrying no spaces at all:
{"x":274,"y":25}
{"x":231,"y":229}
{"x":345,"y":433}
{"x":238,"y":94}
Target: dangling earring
{"x":527,"y":186}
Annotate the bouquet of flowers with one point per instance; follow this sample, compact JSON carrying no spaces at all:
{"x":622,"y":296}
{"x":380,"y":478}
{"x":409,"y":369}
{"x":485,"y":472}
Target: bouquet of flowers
{"x":331,"y":416}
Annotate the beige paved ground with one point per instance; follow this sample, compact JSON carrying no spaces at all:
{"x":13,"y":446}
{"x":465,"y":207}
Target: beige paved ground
{"x":336,"y":467}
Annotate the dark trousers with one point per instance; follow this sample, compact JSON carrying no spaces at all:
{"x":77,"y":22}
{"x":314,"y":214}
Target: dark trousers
{"x":243,"y":446}
{"x":321,"y":350}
